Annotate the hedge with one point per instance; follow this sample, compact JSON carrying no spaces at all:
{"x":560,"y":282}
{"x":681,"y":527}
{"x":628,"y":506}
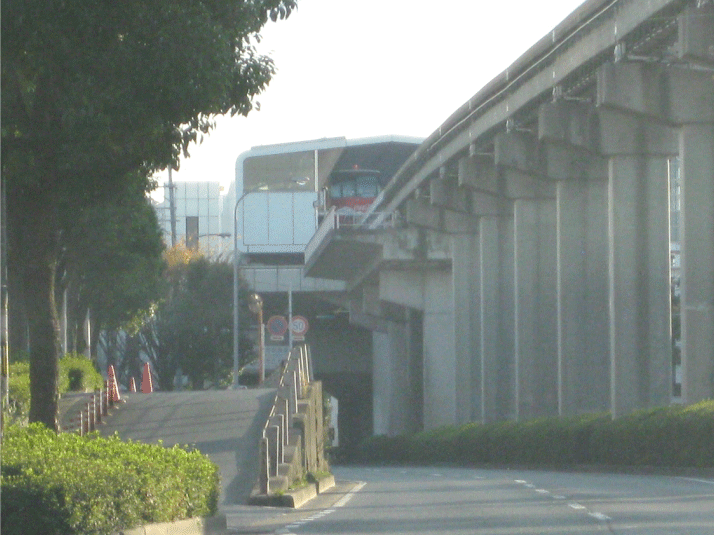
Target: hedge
{"x":75,"y":373}
{"x":673,"y":437}
{"x":66,"y":484}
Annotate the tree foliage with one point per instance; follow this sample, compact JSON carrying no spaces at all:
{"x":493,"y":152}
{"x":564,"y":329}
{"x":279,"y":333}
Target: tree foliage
{"x":191,"y":328}
{"x":111,"y":263}
{"x":97,"y":96}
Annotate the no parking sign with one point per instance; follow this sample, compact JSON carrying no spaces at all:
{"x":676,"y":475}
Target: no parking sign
{"x":277,"y":327}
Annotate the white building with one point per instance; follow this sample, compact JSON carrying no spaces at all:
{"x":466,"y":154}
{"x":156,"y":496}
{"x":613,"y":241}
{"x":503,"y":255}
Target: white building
{"x":197,"y":215}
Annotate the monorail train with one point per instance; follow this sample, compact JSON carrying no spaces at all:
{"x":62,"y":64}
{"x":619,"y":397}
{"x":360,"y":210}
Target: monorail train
{"x":284,"y":190}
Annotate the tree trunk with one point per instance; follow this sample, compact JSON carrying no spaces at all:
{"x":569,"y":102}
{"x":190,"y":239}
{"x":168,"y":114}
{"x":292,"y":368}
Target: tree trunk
{"x":33,"y":239}
{"x":44,"y":338}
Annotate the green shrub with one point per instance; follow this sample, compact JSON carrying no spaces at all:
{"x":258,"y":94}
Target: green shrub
{"x":66,"y":484}
{"x":19,"y":391}
{"x":75,"y":373}
{"x":665,"y":437}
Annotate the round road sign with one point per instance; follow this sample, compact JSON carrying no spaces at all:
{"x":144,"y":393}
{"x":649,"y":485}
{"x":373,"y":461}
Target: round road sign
{"x":299,"y":326}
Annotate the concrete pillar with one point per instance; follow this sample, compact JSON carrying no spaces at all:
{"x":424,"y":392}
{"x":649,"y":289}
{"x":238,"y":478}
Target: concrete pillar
{"x":697,"y":305}
{"x":582,"y":297}
{"x":633,"y":99}
{"x":639,"y":271}
{"x":391,"y":398}
{"x":535,"y":342}
{"x":415,"y":354}
{"x":497,"y":319}
{"x":569,"y":132}
{"x":440,"y":369}
{"x":467,"y":326}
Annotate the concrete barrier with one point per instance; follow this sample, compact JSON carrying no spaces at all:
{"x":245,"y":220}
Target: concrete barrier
{"x":292,"y":446}
{"x":215,"y":525}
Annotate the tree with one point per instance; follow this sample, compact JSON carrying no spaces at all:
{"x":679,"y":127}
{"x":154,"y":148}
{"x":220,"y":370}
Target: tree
{"x":191,"y":327}
{"x":96,"y":97}
{"x":111,"y":262}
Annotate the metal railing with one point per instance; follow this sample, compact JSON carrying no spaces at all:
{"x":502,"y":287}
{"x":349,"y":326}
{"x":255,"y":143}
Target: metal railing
{"x":93,"y":412}
{"x":347,"y":218}
{"x":278,"y":429}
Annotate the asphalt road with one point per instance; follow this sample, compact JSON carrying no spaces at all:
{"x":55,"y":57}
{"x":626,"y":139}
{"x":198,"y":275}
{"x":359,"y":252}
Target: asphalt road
{"x":427,"y":501}
{"x":223,"y":424}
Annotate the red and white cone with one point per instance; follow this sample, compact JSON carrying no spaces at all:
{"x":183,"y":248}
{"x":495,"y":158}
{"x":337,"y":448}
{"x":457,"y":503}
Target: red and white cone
{"x":113,"y":385}
{"x":147,"y":386}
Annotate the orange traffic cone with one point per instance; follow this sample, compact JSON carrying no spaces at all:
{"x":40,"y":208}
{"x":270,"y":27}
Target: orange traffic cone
{"x":147,"y":386}
{"x":113,"y":385}
{"x":132,"y":385}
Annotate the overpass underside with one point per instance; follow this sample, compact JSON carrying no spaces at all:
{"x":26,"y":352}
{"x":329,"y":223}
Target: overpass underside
{"x":526,"y":270}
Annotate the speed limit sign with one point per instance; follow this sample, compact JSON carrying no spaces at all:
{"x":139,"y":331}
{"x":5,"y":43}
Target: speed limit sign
{"x":299,"y":327}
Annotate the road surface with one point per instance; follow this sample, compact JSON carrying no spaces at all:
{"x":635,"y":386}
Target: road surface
{"x":224,"y":424}
{"x":456,"y":501}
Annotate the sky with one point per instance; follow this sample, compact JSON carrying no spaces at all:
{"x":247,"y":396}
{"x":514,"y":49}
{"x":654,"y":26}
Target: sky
{"x":373,"y":68}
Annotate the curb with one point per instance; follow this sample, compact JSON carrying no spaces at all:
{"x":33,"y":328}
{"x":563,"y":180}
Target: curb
{"x":295,"y":498}
{"x":213,"y":525}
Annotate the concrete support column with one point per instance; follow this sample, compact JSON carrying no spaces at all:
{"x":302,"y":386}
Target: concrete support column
{"x":497,"y":319}
{"x":467,"y":326}
{"x":390,"y":379}
{"x":636,"y":108}
{"x":569,"y":131}
{"x":440,"y":366}
{"x":697,"y":216}
{"x":639,"y":271}
{"x":536,"y":369}
{"x":582,"y":297}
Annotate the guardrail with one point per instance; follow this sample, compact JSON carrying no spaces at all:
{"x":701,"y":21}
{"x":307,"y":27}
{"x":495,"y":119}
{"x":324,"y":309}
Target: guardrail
{"x":93,"y":412}
{"x":342,"y":218}
{"x":292,"y":441}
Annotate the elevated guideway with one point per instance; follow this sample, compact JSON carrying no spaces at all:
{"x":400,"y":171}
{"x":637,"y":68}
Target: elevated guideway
{"x":226,"y":425}
{"x":522,"y":262}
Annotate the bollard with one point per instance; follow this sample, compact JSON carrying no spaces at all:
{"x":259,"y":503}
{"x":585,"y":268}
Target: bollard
{"x":264,"y":467}
{"x":97,"y":397}
{"x":107,"y":398}
{"x":90,"y":418}
{"x":273,"y":442}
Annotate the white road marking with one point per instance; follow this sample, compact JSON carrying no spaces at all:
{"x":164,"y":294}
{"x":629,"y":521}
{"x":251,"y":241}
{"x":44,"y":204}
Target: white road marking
{"x":695,"y":480}
{"x":576,"y":506}
{"x":346,"y":498}
{"x":600,"y":516}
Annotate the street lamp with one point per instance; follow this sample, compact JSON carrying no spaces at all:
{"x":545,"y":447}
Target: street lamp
{"x":236,"y":304}
{"x":255,"y":304}
{"x":236,"y":268}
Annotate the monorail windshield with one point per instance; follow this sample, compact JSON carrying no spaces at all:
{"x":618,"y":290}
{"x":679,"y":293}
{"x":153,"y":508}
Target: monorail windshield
{"x":354,"y":183}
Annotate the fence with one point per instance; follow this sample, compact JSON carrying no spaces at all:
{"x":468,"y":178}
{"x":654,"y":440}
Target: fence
{"x":94,"y":411}
{"x":292,"y":442}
